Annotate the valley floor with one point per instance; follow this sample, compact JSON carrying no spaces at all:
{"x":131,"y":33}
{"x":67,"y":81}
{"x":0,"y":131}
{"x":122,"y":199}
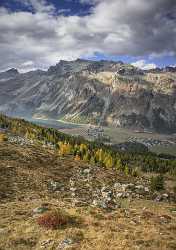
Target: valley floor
{"x":27,"y":174}
{"x":158,"y":143}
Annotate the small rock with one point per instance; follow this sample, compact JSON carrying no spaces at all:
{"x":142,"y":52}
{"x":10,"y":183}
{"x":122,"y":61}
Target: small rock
{"x":73,"y":189}
{"x":40,"y":210}
{"x":162,"y":197}
{"x":103,"y":204}
{"x":119,"y":195}
{"x":124,"y":187}
{"x":72,"y":183}
{"x":65,"y":243}
{"x":165,"y":196}
{"x":95,"y":203}
{"x":55,"y":186}
{"x":117,"y":185}
{"x":141,"y":187}
{"x":165,"y":218}
{"x":3,"y":230}
{"x":173,"y":211}
{"x":86,"y":171}
{"x":46,"y":242}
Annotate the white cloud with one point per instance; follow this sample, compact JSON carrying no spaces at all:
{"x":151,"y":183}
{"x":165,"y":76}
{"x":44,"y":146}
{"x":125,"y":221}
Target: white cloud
{"x":142,"y":64}
{"x":38,"y":5}
{"x":28,"y":63}
{"x":114,"y":27}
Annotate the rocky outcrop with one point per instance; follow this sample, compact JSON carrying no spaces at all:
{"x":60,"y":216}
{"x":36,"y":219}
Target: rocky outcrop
{"x":11,"y":73}
{"x":110,"y":93}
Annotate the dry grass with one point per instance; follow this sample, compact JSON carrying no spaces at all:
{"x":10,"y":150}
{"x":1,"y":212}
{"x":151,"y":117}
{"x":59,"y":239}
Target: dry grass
{"x":136,"y":228}
{"x":25,"y":172}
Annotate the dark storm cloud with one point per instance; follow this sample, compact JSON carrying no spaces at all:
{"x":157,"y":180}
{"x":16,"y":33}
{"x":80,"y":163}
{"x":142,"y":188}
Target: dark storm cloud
{"x":115,"y":27}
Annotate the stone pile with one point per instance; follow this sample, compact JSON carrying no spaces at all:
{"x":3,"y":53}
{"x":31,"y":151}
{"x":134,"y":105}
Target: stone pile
{"x":130,"y":190}
{"x":104,"y":198}
{"x":158,"y":197}
{"x":85,"y":188}
{"x":81,"y":187}
{"x":20,"y":140}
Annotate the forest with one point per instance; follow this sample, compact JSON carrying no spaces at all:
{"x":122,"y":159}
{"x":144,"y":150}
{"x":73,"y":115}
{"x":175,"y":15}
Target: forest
{"x":128,"y":162}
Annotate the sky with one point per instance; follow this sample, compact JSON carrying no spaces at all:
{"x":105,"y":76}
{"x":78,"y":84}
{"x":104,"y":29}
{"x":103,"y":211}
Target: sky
{"x":35,"y":34}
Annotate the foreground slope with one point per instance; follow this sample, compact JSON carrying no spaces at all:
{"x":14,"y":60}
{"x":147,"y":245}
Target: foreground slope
{"x":26,"y":173}
{"x":105,"y":92}
{"x":107,"y":207}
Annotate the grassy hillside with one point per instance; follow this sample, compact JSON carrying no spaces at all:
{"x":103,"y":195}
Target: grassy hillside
{"x":52,"y":197}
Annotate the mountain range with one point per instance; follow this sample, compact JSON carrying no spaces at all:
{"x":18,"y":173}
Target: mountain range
{"x":100,"y":92}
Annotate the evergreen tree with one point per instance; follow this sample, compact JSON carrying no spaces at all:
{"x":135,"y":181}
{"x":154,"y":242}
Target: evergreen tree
{"x":157,"y":183}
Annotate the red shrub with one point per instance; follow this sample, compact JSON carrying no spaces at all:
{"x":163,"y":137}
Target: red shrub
{"x":53,"y":220}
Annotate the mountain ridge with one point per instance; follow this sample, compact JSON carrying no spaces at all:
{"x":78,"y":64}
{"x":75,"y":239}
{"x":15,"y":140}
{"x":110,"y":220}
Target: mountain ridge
{"x":79,"y":60}
{"x":100,"y":92}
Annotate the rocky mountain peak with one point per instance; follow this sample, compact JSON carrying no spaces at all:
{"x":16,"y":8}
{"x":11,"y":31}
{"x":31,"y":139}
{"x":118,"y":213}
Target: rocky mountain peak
{"x":10,"y":73}
{"x":106,"y":92}
{"x":170,"y":69}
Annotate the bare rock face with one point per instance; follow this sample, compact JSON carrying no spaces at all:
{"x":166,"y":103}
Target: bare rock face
{"x":106,"y":92}
{"x":8,"y":74}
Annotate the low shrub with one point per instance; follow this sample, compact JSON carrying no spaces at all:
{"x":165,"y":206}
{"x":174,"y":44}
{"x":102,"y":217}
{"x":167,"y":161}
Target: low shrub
{"x":135,"y":172}
{"x":54,"y":219}
{"x":157,"y":183}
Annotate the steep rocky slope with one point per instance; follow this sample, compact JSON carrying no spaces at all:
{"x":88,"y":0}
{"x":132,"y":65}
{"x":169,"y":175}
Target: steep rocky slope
{"x":110,"y":93}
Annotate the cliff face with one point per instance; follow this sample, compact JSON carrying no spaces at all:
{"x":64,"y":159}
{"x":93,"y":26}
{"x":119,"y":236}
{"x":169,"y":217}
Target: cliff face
{"x":110,"y":93}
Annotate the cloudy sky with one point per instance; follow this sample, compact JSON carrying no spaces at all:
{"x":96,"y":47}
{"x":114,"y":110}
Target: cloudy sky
{"x":38,"y":33}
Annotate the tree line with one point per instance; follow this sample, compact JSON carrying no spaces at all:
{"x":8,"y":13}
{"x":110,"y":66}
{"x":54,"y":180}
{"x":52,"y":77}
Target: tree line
{"x":97,"y":153}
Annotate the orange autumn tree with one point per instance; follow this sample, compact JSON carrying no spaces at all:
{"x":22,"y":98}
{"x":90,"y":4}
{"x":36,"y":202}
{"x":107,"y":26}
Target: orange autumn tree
{"x":3,"y":137}
{"x":65,"y":148}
